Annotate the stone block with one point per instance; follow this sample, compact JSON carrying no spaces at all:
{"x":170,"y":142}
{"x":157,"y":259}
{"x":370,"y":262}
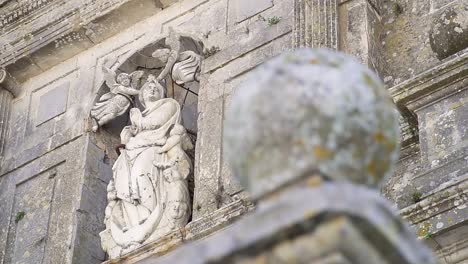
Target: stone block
{"x":52,"y":103}
{"x":240,"y":10}
{"x":449,"y":31}
{"x":207,"y":174}
{"x":30,"y":220}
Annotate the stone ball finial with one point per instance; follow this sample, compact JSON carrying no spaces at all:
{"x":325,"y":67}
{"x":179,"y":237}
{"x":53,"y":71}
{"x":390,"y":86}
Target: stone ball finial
{"x":311,"y":111}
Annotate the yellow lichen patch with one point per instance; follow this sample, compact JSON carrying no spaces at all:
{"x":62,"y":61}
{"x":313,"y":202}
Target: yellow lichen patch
{"x":314,"y":181}
{"x":314,"y":61}
{"x":423,"y":230}
{"x":381,"y":139}
{"x":372,"y":170}
{"x":369,"y":81}
{"x":322,"y":153}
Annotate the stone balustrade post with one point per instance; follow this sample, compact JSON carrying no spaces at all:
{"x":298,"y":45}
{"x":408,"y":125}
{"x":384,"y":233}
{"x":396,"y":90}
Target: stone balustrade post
{"x":310,"y":135}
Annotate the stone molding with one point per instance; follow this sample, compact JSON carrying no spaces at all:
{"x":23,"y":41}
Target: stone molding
{"x":315,"y":24}
{"x":64,"y":18}
{"x":432,"y":85}
{"x":21,"y":11}
{"x":441,"y":214}
{"x":427,"y":88}
{"x":197,"y":229}
{"x":438,"y":202}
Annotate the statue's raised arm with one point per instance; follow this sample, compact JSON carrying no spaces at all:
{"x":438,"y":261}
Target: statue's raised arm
{"x":109,"y":76}
{"x":173,"y":41}
{"x":184,"y":66}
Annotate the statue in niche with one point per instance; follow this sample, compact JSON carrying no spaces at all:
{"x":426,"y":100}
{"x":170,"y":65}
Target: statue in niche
{"x":116,"y":102}
{"x":183,"y":66}
{"x":148,"y":196}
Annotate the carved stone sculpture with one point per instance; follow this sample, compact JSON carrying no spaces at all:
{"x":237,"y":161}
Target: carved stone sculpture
{"x":148,"y":196}
{"x":183,"y":66}
{"x":116,"y":102}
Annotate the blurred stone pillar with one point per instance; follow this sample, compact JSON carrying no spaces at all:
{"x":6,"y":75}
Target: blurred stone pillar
{"x":8,"y":90}
{"x":315,"y":24}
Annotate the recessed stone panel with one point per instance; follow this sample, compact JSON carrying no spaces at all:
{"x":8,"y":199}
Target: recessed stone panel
{"x":240,"y":10}
{"x":29,"y":223}
{"x":52,"y":103}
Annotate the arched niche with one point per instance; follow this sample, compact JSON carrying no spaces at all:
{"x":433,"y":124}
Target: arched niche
{"x":108,"y":136}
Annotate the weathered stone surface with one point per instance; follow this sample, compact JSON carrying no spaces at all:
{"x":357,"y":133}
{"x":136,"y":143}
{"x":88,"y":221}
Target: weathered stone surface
{"x":243,"y":9}
{"x":449,"y":31}
{"x":337,"y":94}
{"x":314,"y":231}
{"x":5,"y":104}
{"x":405,"y":38}
{"x":390,"y":36}
{"x":425,"y":183}
{"x":316,"y":24}
{"x":198,"y":229}
{"x":52,"y":103}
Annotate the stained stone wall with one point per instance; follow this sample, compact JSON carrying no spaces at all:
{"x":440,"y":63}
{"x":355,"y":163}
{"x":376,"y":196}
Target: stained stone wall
{"x":54,"y":171}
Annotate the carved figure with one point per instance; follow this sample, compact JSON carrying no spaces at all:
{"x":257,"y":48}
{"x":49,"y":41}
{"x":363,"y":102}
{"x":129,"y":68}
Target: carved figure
{"x":184,"y":66}
{"x":150,"y":175}
{"x":116,"y":102}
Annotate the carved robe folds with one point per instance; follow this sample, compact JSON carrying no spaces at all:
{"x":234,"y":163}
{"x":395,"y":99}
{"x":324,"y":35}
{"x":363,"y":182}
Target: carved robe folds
{"x":149,"y":196}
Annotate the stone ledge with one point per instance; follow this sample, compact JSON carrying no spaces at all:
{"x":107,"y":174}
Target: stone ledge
{"x":432,"y":85}
{"x":441,"y":209}
{"x":200,"y":228}
{"x":61,"y":29}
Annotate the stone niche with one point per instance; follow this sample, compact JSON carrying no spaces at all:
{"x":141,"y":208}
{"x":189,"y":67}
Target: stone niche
{"x":142,"y":66}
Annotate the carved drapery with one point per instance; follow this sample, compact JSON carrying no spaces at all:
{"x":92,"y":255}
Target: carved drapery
{"x":315,"y":24}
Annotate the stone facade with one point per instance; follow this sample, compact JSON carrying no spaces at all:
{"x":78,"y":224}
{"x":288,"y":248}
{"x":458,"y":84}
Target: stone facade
{"x":54,"y":170}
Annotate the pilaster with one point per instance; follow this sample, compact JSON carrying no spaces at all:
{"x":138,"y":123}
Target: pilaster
{"x":315,"y":24}
{"x":8,"y":89}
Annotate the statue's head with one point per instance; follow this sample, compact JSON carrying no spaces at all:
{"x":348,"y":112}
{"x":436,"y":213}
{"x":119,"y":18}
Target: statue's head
{"x":124,"y":79}
{"x":162,"y":54}
{"x":151,"y":92}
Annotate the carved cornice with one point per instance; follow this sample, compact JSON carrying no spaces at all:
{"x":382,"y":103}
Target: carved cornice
{"x":20,"y":11}
{"x":439,"y":82}
{"x":47,"y":21}
{"x":446,"y":204}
